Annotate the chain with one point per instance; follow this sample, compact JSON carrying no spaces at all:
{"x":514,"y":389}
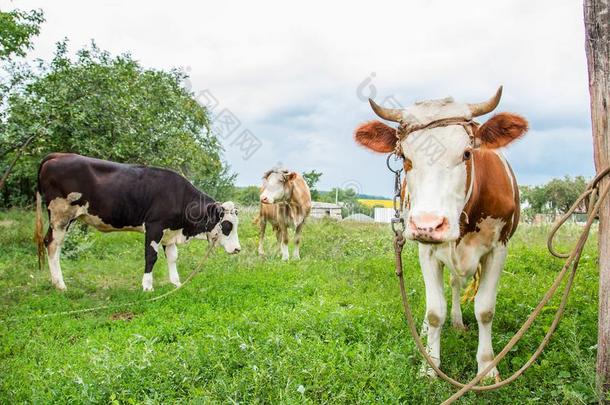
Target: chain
{"x":396,"y":200}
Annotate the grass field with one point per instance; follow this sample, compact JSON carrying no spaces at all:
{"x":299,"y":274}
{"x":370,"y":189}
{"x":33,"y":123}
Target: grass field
{"x":326,"y":329}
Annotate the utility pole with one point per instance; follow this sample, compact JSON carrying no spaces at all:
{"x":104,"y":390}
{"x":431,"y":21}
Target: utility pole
{"x":597,"y":46}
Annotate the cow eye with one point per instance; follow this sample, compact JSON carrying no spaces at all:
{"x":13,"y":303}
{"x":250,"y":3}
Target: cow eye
{"x":467,"y":155}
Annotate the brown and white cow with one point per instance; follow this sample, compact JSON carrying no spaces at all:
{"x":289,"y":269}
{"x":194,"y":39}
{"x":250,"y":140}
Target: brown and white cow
{"x":285,"y":203}
{"x":462,"y":202}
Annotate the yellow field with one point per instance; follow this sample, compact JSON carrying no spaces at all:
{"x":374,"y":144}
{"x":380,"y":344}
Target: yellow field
{"x":376,"y":203}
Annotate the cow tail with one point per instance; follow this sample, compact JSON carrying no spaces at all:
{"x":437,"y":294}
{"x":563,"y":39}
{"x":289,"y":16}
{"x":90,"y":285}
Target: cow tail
{"x":38,"y":231}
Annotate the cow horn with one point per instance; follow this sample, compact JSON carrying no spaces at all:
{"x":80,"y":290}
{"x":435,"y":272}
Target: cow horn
{"x":478,"y":109}
{"x":390,"y":114}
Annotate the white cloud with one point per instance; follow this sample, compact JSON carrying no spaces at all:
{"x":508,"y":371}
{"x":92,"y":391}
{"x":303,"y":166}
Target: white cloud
{"x":290,"y":71}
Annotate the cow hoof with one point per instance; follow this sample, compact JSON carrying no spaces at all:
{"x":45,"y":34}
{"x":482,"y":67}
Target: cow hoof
{"x":427,"y":371}
{"x":60,"y":286}
{"x":489,"y":380}
{"x":492,"y":377}
{"x":178,"y":284}
{"x":148,"y":289}
{"x":459,"y":326}
{"x":296,"y":257}
{"x":147,"y":282}
{"x":285,"y":258}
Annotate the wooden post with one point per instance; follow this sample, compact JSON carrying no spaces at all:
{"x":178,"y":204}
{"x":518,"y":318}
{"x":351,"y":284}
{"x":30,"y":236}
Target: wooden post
{"x":597,"y":44}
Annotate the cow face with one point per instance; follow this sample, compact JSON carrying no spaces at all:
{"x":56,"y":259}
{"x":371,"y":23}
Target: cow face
{"x":225,"y":231}
{"x":439,"y":160}
{"x":276,"y":187}
{"x":437,"y":183}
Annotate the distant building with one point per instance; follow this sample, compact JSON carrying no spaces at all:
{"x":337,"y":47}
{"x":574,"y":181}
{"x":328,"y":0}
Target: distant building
{"x":325,"y":210}
{"x":384,"y":215}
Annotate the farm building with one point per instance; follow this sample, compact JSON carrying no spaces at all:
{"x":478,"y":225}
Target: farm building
{"x":325,"y":210}
{"x":383,"y":215}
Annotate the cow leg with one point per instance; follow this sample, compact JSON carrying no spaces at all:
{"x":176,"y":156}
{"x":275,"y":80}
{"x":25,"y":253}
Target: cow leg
{"x":171,"y":254}
{"x":436,"y":307}
{"x":456,"y":308}
{"x":262,"y":225}
{"x":154,"y":233}
{"x":485,"y":305}
{"x":283,"y":239}
{"x":62,"y":212}
{"x":297,"y":241}
{"x":54,"y":240}
{"x":278,"y":233}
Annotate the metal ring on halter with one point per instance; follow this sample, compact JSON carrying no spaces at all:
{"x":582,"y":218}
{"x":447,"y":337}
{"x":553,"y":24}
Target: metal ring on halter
{"x":387,"y":163}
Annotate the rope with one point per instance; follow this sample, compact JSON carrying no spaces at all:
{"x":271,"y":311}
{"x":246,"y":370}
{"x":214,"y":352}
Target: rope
{"x":572,"y":261}
{"x":124,"y":305}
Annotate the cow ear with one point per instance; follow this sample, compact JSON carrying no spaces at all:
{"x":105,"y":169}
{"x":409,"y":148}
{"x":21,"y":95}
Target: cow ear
{"x":501,"y":129}
{"x":287,"y":176}
{"x":376,"y":136}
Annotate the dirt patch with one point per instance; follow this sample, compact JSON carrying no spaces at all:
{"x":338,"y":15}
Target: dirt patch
{"x":6,"y":223}
{"x":122,"y":316}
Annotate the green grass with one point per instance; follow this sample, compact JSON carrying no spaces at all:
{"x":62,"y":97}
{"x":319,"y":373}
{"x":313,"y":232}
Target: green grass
{"x":326,"y":329}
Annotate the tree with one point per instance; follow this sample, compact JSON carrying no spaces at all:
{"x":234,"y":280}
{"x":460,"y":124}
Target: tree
{"x":17,"y":28}
{"x":597,"y":47}
{"x":562,"y":193}
{"x":555,"y":197}
{"x":248,"y":195}
{"x":112,"y":108}
{"x":312,"y":178}
{"x":536,"y":199}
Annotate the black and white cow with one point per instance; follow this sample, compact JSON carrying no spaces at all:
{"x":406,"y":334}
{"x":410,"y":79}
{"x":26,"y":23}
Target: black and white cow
{"x":120,"y":197}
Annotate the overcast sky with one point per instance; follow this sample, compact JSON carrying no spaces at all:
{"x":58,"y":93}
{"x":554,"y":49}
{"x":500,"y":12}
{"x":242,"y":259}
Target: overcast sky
{"x":296,"y":75}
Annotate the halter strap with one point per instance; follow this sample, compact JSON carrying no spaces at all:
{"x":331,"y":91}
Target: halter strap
{"x":404,"y":129}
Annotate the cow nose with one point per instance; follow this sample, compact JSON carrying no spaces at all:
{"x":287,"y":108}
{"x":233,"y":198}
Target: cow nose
{"x":428,"y":224}
{"x":264,"y":199}
{"x":236,"y":250}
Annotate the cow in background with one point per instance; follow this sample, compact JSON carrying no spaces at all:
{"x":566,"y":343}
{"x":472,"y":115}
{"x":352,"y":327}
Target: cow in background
{"x":461,"y":203}
{"x":111,"y":196}
{"x":285,"y":203}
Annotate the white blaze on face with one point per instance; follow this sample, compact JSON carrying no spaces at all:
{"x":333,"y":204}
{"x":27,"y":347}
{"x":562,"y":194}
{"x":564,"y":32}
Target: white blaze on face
{"x":436,"y":184}
{"x":226,"y":230}
{"x":273,"y":188}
